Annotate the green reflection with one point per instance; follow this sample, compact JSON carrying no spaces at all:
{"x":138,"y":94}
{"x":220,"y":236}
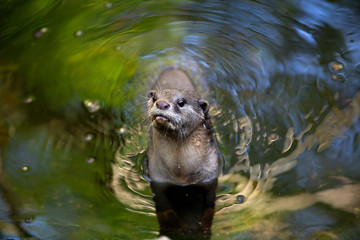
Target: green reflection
{"x":72,"y":79}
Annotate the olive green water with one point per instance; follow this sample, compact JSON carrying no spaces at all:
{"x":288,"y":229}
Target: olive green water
{"x":283,"y":80}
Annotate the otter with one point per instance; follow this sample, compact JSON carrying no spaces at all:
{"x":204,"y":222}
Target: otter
{"x":182,"y":148}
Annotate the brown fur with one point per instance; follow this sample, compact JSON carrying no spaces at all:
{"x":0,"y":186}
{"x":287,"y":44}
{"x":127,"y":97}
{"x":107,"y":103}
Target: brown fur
{"x":182,"y":148}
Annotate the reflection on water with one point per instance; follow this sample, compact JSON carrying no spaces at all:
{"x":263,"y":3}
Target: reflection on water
{"x":282,"y":78}
{"x":185,"y":212}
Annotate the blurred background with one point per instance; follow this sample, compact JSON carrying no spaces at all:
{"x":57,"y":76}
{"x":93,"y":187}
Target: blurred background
{"x":283,"y":80}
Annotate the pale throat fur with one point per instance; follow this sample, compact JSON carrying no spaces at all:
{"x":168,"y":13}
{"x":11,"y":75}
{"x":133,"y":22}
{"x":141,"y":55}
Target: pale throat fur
{"x":181,"y":149}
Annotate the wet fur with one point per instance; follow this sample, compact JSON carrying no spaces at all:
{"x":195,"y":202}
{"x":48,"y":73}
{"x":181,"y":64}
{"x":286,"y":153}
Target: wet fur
{"x":182,"y":150}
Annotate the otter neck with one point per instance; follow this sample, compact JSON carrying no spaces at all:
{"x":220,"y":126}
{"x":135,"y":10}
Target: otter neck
{"x":174,"y":137}
{"x":171,"y":134}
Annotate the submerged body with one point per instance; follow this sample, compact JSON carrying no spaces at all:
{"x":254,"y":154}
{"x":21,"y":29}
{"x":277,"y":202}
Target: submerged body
{"x":182,"y":149}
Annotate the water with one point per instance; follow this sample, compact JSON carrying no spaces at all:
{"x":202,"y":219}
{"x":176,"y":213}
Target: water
{"x":283,"y":81}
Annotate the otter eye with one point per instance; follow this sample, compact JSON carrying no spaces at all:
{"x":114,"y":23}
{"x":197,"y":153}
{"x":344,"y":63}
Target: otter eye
{"x":152,"y":95}
{"x":181,"y":102}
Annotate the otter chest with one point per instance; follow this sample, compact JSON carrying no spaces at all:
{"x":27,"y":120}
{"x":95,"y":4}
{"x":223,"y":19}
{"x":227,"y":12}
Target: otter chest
{"x":178,"y":160}
{"x":180,"y":157}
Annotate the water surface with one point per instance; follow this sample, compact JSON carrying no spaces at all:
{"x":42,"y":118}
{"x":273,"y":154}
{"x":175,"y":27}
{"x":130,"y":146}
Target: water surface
{"x":283,"y":80}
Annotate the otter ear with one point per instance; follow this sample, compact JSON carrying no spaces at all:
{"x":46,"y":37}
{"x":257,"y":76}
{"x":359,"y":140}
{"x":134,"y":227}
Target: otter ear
{"x":204,"y":105}
{"x":151,"y":94}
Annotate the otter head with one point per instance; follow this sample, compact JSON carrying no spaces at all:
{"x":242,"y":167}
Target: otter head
{"x":175,"y":112}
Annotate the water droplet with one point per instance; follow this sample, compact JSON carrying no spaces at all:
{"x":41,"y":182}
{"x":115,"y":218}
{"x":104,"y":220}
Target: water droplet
{"x":240,"y":199}
{"x":88,"y":137}
{"x":240,"y":150}
{"x":338,"y":77}
{"x":121,"y":130}
{"x":336,"y":66}
{"x":118,"y":48}
{"x":79,"y":33}
{"x":29,"y":99}
{"x":25,"y":168}
{"x":92,"y":106}
{"x":29,"y":219}
{"x":179,"y":166}
{"x":40,"y":32}
{"x":272,"y":138}
{"x":109,"y":5}
{"x":91,"y":159}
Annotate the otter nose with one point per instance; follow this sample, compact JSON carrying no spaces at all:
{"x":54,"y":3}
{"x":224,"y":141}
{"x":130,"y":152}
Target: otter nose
{"x":162,"y":105}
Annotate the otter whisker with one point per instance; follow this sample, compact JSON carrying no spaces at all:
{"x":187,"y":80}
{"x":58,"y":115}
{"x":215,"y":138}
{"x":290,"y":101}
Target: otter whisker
{"x":177,"y":133}
{"x":144,"y":117}
{"x":157,"y":82}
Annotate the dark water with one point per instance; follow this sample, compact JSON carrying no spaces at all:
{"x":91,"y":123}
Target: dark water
{"x":283,"y":79}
